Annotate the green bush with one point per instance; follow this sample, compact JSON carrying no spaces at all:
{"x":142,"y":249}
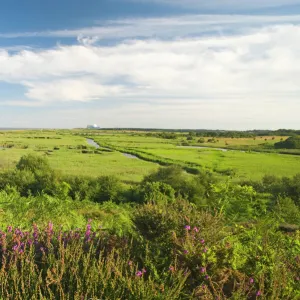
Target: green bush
{"x":287,"y":211}
{"x":33,"y":163}
{"x":292,"y":142}
{"x":155,"y":192}
{"x":238,"y":203}
{"x":109,"y":189}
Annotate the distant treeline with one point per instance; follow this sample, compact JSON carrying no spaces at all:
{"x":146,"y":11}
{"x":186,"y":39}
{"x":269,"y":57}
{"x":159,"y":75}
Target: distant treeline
{"x":216,"y":133}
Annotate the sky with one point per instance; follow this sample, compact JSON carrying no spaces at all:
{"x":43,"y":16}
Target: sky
{"x":218,"y":64}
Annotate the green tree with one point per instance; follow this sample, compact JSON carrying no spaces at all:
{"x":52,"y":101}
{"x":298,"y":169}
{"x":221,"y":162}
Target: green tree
{"x":109,"y":189}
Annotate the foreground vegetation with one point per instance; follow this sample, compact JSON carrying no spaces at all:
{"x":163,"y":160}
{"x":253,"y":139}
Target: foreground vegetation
{"x":167,"y":234}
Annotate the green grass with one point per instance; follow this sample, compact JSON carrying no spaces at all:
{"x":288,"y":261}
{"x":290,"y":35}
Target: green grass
{"x":114,"y":163}
{"x":246,"y":165}
{"x":71,"y":161}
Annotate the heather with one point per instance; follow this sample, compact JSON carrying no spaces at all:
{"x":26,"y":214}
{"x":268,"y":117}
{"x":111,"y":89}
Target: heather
{"x":176,"y":252}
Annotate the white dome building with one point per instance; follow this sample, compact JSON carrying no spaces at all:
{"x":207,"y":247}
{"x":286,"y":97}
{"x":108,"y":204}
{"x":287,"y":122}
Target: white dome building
{"x":95,"y":126}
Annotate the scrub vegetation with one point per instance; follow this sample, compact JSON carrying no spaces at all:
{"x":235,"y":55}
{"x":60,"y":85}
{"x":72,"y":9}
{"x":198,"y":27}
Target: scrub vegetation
{"x":167,"y":222}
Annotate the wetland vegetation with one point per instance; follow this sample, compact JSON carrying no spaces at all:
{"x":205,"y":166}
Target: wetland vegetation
{"x":80,"y":220}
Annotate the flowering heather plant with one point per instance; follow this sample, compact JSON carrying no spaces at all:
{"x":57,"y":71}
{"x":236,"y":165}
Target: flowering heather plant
{"x":215,"y":272}
{"x":75,"y":264}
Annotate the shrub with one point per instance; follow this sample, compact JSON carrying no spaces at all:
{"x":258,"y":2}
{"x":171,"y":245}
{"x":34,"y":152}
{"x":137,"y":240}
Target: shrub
{"x":238,"y":203}
{"x":33,"y":163}
{"x":155,"y":192}
{"x":109,"y":189}
{"x":287,"y":211}
{"x":291,"y":143}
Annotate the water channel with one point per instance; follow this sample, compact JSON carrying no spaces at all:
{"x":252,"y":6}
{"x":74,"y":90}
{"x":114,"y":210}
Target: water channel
{"x":97,"y":146}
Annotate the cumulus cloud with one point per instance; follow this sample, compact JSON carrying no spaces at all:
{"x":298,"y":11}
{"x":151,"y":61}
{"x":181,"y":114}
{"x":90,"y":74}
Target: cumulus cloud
{"x":82,"y":89}
{"x":245,"y":77}
{"x":262,"y":62}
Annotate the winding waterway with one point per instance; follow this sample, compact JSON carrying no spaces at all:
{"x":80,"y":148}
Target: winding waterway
{"x":92,"y":143}
{"x":97,"y":146}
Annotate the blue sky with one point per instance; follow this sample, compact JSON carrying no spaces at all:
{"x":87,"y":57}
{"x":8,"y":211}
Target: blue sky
{"x":227,"y":64}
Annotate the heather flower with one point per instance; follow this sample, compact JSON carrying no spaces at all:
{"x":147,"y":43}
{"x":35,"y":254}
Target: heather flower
{"x":15,"y":247}
{"x":206,"y":277}
{"x":130,"y":263}
{"x":88,"y":230}
{"x":187,"y":227}
{"x":202,"y":241}
{"x":203,"y":270}
{"x":185,"y":251}
{"x":196,"y":229}
{"x":35,"y":232}
{"x":9,"y":228}
{"x":171,"y":268}
{"x":251,"y":280}
{"x":258,"y":293}
{"x":205,"y":250}
{"x":77,"y":235}
{"x":50,"y":227}
{"x":18,"y":231}
{"x":139,"y":273}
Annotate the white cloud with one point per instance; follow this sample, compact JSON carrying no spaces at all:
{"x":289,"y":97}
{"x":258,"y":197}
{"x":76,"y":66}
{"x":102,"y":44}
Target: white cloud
{"x":82,"y":89}
{"x":240,"y":79}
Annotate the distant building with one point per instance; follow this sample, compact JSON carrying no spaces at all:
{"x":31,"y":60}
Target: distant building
{"x":95,"y":126}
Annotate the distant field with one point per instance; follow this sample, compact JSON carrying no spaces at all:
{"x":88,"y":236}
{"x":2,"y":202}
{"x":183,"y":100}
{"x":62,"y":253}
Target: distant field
{"x":64,"y":150}
{"x":228,"y":142}
{"x":245,"y":165}
{"x":135,"y":140}
{"x":71,"y":161}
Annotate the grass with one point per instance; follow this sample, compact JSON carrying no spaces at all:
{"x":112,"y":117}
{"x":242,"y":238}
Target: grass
{"x":245,"y":165}
{"x":114,"y":163}
{"x":69,"y":159}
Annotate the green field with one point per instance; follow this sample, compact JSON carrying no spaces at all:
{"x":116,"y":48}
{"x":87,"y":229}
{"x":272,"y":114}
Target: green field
{"x":67,"y":158}
{"x":244,"y":164}
{"x":64,"y":150}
